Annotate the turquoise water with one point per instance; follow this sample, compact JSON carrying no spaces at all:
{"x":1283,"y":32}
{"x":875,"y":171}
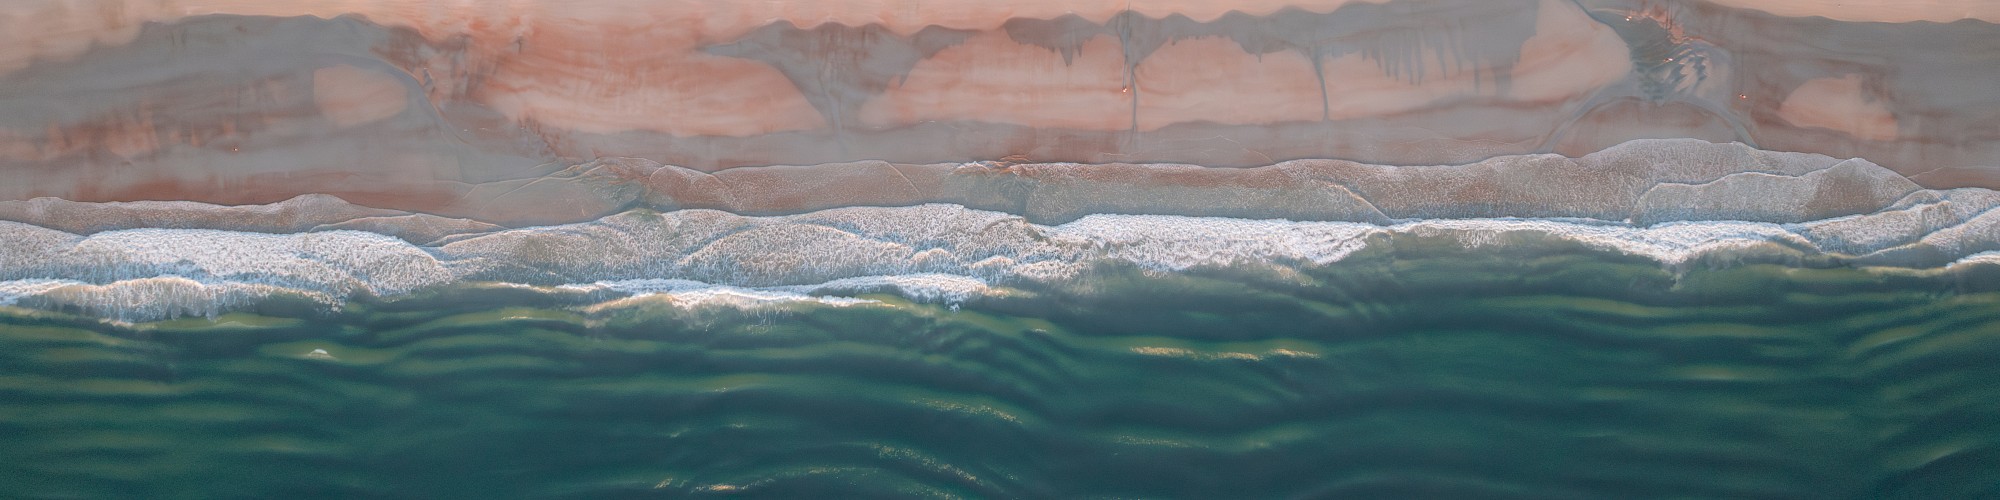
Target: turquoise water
{"x":1399,"y":373}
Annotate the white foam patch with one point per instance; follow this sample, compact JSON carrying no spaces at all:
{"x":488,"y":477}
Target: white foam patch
{"x":1981,"y":258}
{"x":695,"y":294}
{"x":146,"y":299}
{"x":1176,"y":243}
{"x":1671,"y":243}
{"x":11,"y":292}
{"x":932,"y":287}
{"x":339,"y":262}
{"x":1177,"y":352}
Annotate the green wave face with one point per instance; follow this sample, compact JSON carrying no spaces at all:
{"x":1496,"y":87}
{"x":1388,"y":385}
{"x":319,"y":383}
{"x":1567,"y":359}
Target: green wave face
{"x":1390,"y":375}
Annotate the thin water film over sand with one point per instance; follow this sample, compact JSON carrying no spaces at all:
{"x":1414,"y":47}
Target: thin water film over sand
{"x":1016,"y":249}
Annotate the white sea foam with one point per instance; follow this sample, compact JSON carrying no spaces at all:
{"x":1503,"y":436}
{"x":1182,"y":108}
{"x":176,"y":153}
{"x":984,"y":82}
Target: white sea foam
{"x":945,"y":288}
{"x":938,"y":253}
{"x":144,"y":299}
{"x":941,"y":288}
{"x":11,"y":292}
{"x":1175,"y":243}
{"x":1981,"y":258}
{"x":1671,"y":243}
{"x":697,"y":294}
{"x":335,"y":262}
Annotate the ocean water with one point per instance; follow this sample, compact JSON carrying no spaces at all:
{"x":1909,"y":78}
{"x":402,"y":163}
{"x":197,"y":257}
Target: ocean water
{"x":1035,"y":249}
{"x":1400,"y":371}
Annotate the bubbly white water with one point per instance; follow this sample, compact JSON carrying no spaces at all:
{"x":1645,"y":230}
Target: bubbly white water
{"x":697,"y":294}
{"x":942,"y":253}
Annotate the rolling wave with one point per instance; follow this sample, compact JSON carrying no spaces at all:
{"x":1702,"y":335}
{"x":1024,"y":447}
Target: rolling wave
{"x":1578,"y":374}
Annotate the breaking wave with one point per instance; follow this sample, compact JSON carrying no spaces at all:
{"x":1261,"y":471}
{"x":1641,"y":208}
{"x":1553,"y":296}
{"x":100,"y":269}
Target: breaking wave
{"x":934,"y":252}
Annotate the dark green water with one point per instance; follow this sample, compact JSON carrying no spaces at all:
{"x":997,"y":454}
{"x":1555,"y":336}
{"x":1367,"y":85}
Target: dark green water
{"x":1552,"y":375}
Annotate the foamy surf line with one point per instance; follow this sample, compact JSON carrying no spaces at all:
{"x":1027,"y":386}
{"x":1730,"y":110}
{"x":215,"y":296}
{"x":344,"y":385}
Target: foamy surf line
{"x":937,"y":253}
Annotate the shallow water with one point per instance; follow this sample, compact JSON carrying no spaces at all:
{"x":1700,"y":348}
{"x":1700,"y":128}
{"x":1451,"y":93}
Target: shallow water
{"x":1398,"y":373}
